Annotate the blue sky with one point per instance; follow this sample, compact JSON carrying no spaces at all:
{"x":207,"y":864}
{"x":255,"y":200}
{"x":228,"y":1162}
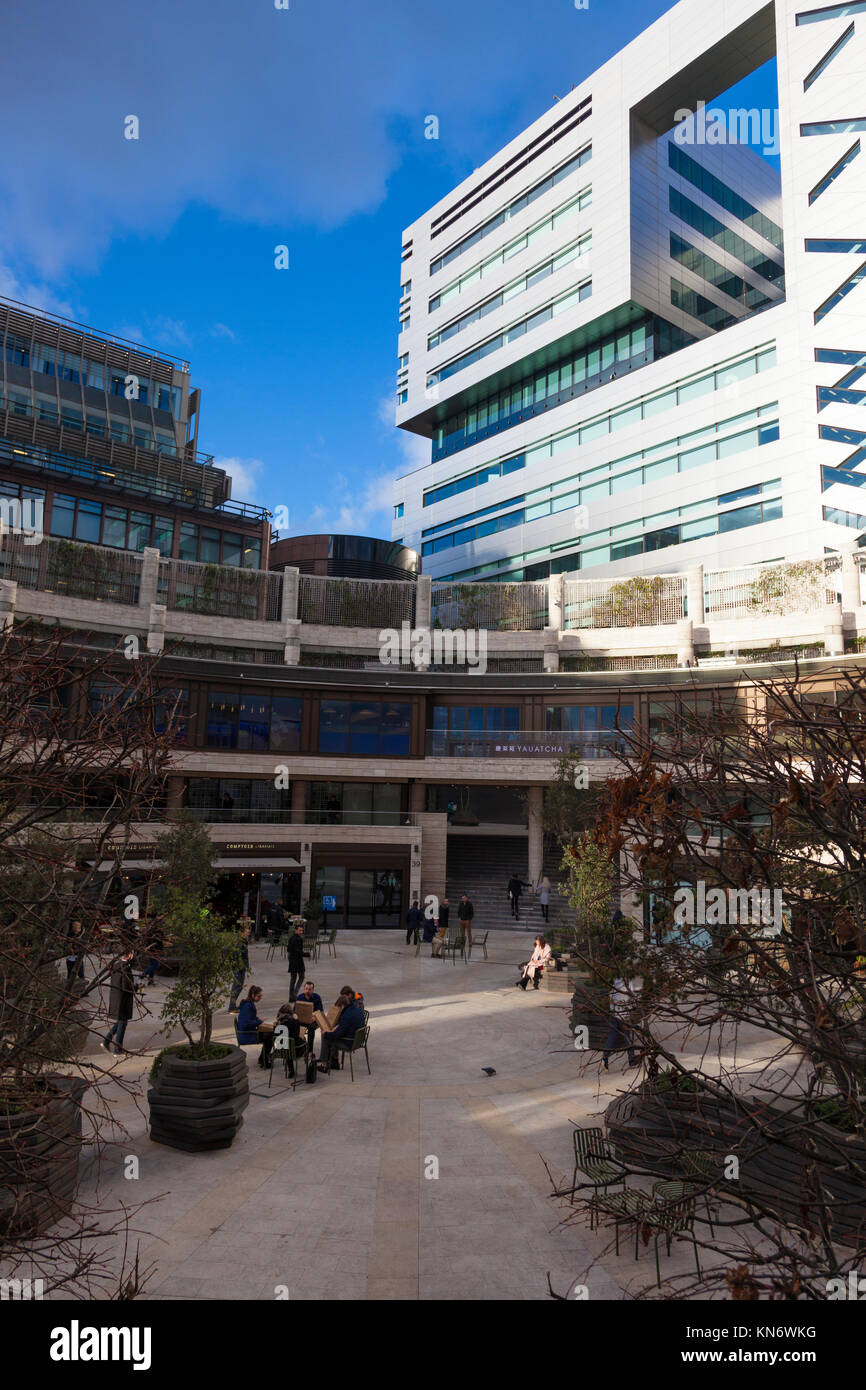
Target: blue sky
{"x":260,"y":127}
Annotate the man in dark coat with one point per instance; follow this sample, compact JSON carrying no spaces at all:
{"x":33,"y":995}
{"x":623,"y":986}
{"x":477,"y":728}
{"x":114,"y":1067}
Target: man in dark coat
{"x":414,"y":920}
{"x":351,"y":1019}
{"x":120,"y":1002}
{"x":296,"y":967}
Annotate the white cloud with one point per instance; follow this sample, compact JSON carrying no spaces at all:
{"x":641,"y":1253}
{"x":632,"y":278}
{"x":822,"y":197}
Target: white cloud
{"x":246,"y":478}
{"x":32,"y":292}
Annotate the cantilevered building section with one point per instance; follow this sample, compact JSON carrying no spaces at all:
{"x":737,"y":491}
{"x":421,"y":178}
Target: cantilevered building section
{"x":625,"y":335}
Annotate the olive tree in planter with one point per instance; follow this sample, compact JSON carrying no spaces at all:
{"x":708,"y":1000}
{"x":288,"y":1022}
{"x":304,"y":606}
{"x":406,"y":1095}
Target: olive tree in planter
{"x":200,"y":1088}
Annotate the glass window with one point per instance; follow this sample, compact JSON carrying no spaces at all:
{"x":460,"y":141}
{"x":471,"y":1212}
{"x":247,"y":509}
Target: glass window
{"x":222,"y":719}
{"x":114,"y":527}
{"x":334,"y":726}
{"x":188,"y":541}
{"x":209,"y":551}
{"x":396,"y":728}
{"x":254,"y":724}
{"x":163,"y":535}
{"x":88,"y":520}
{"x":139,"y":530}
{"x":286,"y":723}
{"x":62,"y":516}
{"x":252,"y":554}
{"x":364,"y":737}
{"x":741,"y":516}
{"x":232,"y":548}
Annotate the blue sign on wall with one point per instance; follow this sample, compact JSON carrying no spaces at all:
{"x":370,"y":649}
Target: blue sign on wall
{"x":329,"y":904}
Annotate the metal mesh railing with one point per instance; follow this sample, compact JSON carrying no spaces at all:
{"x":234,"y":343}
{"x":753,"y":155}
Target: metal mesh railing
{"x":72,"y":569}
{"x":220,"y":590}
{"x":799,"y":586}
{"x":665,"y":661}
{"x":333,"y":602}
{"x":490,"y":607}
{"x":641,"y":601}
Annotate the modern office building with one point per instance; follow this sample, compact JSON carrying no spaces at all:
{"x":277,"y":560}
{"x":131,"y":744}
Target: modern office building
{"x":347,"y":557}
{"x":626,"y":333}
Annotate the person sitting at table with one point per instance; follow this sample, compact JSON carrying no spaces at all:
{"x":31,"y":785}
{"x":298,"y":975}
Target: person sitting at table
{"x":249,"y":1023}
{"x":350,"y":1020}
{"x":268,"y":1033}
{"x":309,"y":996}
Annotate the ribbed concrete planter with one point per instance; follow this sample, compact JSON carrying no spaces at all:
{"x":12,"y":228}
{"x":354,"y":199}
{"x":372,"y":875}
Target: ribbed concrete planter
{"x":39,"y":1151}
{"x":199,"y":1105}
{"x":651,"y":1128}
{"x":590,"y":1007}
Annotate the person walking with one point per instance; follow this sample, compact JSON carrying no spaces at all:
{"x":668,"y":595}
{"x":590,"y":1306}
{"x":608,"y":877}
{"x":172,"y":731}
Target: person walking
{"x":544,"y":896}
{"x":74,"y":958}
{"x":465,"y":913}
{"x":515,"y":888}
{"x":414,"y":920}
{"x":155,"y":948}
{"x":241,"y":972}
{"x":297,"y":969}
{"x":534,"y":967}
{"x":121,"y":995}
{"x":619,"y":1035}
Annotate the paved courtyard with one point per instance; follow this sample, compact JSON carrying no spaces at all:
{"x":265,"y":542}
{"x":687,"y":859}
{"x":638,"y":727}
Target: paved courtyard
{"x":324,"y":1190}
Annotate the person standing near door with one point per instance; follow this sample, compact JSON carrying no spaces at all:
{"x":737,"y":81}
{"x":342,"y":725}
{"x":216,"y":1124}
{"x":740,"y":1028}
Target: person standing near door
{"x":296,"y":967}
{"x":414,"y":922}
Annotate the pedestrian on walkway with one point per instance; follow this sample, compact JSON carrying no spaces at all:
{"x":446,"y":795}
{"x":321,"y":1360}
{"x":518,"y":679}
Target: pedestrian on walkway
{"x":515,"y":888}
{"x":544,"y":896}
{"x":241,"y":972}
{"x":155,"y":948}
{"x":465,"y":913}
{"x":414,"y":919}
{"x":441,"y":928}
{"x":74,"y":958}
{"x":619,"y":1034}
{"x":121,"y":995}
{"x":297,"y":969}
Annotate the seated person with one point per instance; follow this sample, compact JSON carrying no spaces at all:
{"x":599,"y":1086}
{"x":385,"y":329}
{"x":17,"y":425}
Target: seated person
{"x":350,"y":1020}
{"x":248,"y":1021}
{"x":429,"y":930}
{"x":268,"y":1033}
{"x":308,"y":996}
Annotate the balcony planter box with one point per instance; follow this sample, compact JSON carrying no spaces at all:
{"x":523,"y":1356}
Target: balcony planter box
{"x":39,"y":1149}
{"x":198,"y":1104}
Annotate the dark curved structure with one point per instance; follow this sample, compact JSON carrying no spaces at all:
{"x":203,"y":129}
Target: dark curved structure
{"x":346,"y":557}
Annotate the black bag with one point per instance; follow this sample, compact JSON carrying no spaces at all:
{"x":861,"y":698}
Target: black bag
{"x":312,"y":1069}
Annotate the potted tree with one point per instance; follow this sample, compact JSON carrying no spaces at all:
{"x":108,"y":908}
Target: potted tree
{"x":200,"y":1088}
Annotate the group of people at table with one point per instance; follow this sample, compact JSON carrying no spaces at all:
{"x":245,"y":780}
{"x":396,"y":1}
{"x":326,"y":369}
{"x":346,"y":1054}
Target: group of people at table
{"x":338,"y":1025}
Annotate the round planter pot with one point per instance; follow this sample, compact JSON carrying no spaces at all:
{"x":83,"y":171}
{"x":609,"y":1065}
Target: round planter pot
{"x":39,"y":1151}
{"x":199,"y":1105}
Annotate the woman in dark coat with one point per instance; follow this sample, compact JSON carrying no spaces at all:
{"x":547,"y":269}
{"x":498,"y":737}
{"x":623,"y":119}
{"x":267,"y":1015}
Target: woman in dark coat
{"x":120,"y":999}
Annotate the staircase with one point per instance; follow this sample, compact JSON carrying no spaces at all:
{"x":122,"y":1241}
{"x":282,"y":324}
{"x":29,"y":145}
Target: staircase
{"x":481,"y":865}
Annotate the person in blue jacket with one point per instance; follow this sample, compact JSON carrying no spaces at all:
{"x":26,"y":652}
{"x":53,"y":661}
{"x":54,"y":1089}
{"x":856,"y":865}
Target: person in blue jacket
{"x":249,"y":1022}
{"x":350,"y":1020}
{"x":308,"y":995}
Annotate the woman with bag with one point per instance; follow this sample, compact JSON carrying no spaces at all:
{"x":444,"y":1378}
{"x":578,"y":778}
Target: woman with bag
{"x":534,"y":967}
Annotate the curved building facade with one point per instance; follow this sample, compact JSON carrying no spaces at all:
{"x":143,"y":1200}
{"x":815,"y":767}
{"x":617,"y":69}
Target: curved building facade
{"x":346,"y":557}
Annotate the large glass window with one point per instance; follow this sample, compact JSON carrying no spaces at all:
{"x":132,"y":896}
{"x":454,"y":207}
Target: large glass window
{"x":253,"y":722}
{"x":365,"y":727}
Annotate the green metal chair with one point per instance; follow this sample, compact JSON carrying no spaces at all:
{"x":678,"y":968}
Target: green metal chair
{"x":454,"y":942}
{"x":672,"y":1214}
{"x":358,"y":1044}
{"x":479,"y":941}
{"x":702,"y":1168}
{"x":294,"y":1052}
{"x":626,"y":1206}
{"x":592,"y":1156}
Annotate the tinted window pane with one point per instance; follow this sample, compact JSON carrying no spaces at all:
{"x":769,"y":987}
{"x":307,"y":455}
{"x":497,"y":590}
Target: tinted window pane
{"x":396,"y":728}
{"x":334,"y":726}
{"x":255,"y":720}
{"x":286,"y":723}
{"x":222,"y":719}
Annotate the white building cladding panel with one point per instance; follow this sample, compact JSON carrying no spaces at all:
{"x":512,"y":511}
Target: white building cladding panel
{"x":662,"y":231}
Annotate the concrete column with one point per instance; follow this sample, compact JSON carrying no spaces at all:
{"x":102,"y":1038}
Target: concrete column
{"x":834,"y":633}
{"x":156,"y":628}
{"x":174,"y":793}
{"x":695,"y":594}
{"x":629,"y":897}
{"x":306,"y":870}
{"x":292,"y":641}
{"x":417,"y":796}
{"x":556,"y":602}
{"x":291,"y":585}
{"x":8,"y":599}
{"x":299,"y":802}
{"x":423,"y":600}
{"x":147,"y":592}
{"x":415,"y":862}
{"x":685,"y":643}
{"x":550,"y":650}
{"x":850,"y":587}
{"x":536,"y":832}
